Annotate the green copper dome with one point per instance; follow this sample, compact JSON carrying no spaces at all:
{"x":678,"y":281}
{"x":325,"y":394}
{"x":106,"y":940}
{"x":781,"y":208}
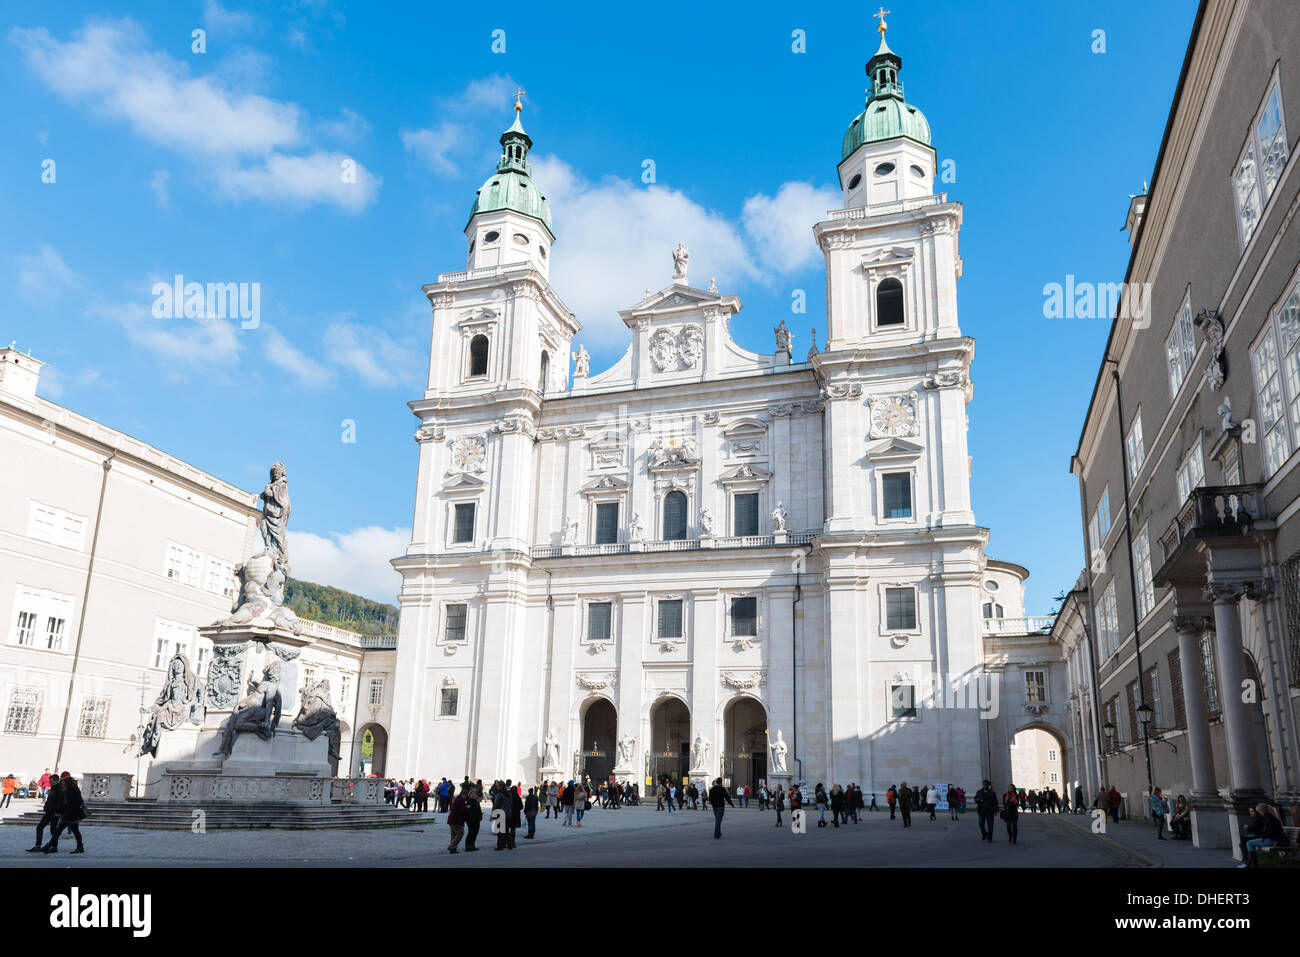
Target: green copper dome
{"x":511,"y":186}
{"x":887,"y":114}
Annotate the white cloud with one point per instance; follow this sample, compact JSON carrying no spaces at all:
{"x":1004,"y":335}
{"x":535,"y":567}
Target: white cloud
{"x":219,"y":18}
{"x":185,"y":341}
{"x":238,"y":137}
{"x":348,"y":128}
{"x":54,"y":381}
{"x":375,"y":358}
{"x":44,"y":275}
{"x":781,"y":226}
{"x":356,"y":561}
{"x":302,"y":180}
{"x":280,"y":352}
{"x":468,"y":125}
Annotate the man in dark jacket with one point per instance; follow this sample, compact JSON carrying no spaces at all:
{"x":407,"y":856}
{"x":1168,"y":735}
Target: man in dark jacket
{"x":515,"y":807}
{"x":456,"y":821}
{"x":718,"y":799}
{"x":905,"y":804}
{"x":986,"y":806}
{"x":530,"y":812}
{"x":49,"y":815}
{"x":72,"y":811}
{"x":473,"y":817}
{"x":500,"y":802}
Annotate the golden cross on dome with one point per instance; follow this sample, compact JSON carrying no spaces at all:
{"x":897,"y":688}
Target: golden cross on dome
{"x":881,"y":17}
{"x":517,"y":94}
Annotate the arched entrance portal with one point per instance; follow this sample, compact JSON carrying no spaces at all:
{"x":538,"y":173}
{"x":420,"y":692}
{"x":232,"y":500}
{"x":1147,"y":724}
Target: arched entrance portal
{"x":1038,"y":761}
{"x":599,"y":730}
{"x":373,"y":750}
{"x":744,"y":749}
{"x":670,"y":742}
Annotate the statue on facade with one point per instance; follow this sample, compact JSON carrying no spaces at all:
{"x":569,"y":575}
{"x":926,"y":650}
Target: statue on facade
{"x":681,"y":259}
{"x":779,"y":515}
{"x":778,"y":748}
{"x":706,"y":522}
{"x":700,"y":753}
{"x":258,"y":711}
{"x":783,"y":338}
{"x":581,"y":362}
{"x":571,"y":532}
{"x":626,"y":750}
{"x":316,"y":716}
{"x":551,"y":757}
{"x":636,"y":530}
{"x":177,"y":702}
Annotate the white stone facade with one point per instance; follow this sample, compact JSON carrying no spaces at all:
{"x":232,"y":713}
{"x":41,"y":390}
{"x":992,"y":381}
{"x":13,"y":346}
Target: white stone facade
{"x":552,"y":545}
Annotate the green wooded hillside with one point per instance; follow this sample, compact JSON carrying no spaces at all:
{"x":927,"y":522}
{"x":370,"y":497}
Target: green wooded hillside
{"x":342,"y":609}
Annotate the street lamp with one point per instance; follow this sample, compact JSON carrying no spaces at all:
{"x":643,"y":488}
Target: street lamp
{"x":1109,"y":730}
{"x":1144,"y":716}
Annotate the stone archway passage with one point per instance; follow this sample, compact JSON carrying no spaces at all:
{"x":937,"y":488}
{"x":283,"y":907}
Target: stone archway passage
{"x":599,"y":731}
{"x":1038,"y":761}
{"x":744,"y":750}
{"x":373,"y":749}
{"x":670,"y":743}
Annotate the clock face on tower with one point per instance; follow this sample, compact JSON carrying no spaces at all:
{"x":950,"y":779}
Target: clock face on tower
{"x":893,"y":415}
{"x":467,"y":454}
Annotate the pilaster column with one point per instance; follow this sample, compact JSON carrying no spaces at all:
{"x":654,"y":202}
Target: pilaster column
{"x":1242,"y":765}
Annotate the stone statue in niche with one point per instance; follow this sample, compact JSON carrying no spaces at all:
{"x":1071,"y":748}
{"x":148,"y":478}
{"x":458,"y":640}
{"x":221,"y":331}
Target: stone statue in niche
{"x":779,"y":515}
{"x":706,"y":522}
{"x":636,"y":531}
{"x":778,"y":748}
{"x":700,"y":753}
{"x":626,"y":750}
{"x":258,"y":711}
{"x":551,"y":757}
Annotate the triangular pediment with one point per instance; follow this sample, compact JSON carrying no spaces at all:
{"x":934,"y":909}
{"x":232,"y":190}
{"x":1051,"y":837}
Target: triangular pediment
{"x":678,"y":299}
{"x":745,"y":473}
{"x":894,"y":449}
{"x":463,"y":482}
{"x":606,"y":483}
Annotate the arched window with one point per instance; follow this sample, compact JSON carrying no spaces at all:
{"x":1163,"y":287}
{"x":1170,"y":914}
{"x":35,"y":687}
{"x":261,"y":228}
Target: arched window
{"x":545,"y":375}
{"x":674,"y":516}
{"x":478,"y":355}
{"x":889,"y":303}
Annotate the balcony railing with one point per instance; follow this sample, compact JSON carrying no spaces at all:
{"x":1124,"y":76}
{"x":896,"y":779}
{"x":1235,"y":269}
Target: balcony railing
{"x":317,"y":629}
{"x":881,"y":209}
{"x":1033,"y":625}
{"x":672,"y":545}
{"x":1213,"y":510}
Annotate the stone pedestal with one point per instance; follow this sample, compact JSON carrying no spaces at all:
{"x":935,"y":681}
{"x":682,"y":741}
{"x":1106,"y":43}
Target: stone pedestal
{"x":286,"y":767}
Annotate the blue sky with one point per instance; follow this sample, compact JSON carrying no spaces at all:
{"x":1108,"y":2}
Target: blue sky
{"x":223,"y":166}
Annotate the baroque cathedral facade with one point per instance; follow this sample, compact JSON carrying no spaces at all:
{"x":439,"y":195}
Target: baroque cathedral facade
{"x":702,"y":561}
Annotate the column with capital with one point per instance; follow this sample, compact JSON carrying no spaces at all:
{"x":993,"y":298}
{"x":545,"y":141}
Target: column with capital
{"x":1209,"y":821}
{"x":1242,"y":765}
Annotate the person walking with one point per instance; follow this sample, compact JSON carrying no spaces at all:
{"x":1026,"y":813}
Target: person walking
{"x":566,"y":802}
{"x":1113,"y":800}
{"x":72,"y":811}
{"x":501,"y":803}
{"x":1159,"y":808}
{"x":7,"y":792}
{"x":456,"y":822}
{"x":530,"y":812}
{"x":580,"y":801}
{"x":986,"y":805}
{"x":514,"y":808}
{"x":891,"y":798}
{"x":49,"y":815}
{"x":932,"y":801}
{"x":718,"y":800}
{"x":778,"y":800}
{"x":473,"y":816}
{"x":837,"y":804}
{"x":873,"y":802}
{"x":905,"y":804}
{"x":820,"y":800}
{"x":1011,"y":813}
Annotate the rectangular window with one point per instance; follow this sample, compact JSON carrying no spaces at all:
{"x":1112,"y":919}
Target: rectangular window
{"x":670,"y":618}
{"x":1245,"y":182}
{"x":1146,"y":594}
{"x":744,"y":616}
{"x":900,"y":609}
{"x":1176,"y":688}
{"x":1051,"y":754}
{"x":1153,"y":697}
{"x":24,"y":712}
{"x":1137,"y":452}
{"x":1108,"y":625}
{"x":376,"y":694}
{"x":746,"y":514}
{"x":54,"y":629}
{"x":464,"y":531}
{"x":902,"y":701}
{"x":1272,"y":411}
{"x":448,"y":702}
{"x":898,"y":494}
{"x":1211,"y":677}
{"x":1270,"y":129}
{"x":1053,"y":777}
{"x":43,"y":524}
{"x":1261,"y":163}
{"x":54,"y":525}
{"x":41,"y":619}
{"x":26,"y":631}
{"x":457,"y":615}
{"x":599,"y":614}
{"x":1133,"y":697}
{"x":221,"y":578}
{"x":345,"y":696}
{"x":1180,"y":347}
{"x":184,"y":564}
{"x":1099,"y":526}
{"x":170,"y":637}
{"x":308,"y":676}
{"x":607,"y":523}
{"x":1035,"y":687}
{"x":93,"y":722}
{"x":1191,"y":472}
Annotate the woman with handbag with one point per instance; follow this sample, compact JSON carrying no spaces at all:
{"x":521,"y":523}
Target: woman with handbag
{"x":1011,"y":813}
